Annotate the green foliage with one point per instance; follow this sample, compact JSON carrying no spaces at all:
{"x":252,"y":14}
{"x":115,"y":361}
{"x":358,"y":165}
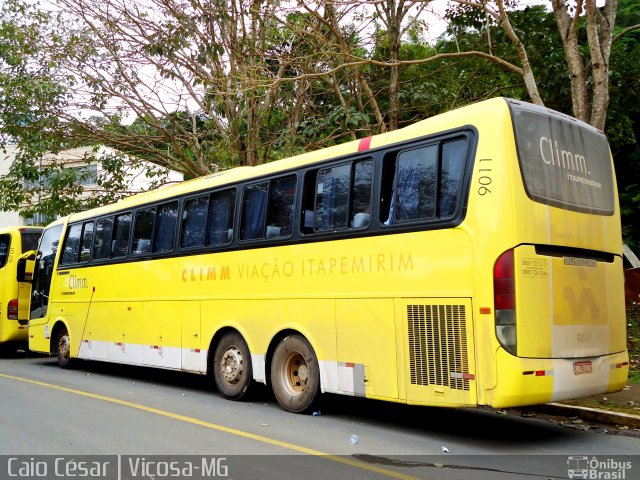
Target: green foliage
{"x":257,"y":78}
{"x":628,"y":13}
{"x":623,"y":130}
{"x":31,"y":86}
{"x":633,"y":336}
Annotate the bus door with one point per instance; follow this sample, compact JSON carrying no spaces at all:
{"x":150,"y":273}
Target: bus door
{"x":43,"y":277}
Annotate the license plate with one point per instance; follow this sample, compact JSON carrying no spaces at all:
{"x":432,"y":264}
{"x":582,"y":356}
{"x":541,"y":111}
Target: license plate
{"x":580,"y":368}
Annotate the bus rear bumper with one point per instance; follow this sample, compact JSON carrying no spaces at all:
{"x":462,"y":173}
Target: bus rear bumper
{"x":530,"y":381}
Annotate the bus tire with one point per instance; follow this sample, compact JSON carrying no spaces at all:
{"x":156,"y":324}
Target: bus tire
{"x":295,"y":374}
{"x":232,"y":370}
{"x":63,"y":349}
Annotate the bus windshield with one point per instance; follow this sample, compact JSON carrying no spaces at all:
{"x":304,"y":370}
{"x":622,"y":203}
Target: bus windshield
{"x":564,"y":163}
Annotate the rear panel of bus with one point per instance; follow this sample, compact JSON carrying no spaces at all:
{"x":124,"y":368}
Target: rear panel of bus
{"x":14,"y":242}
{"x":557,"y":282}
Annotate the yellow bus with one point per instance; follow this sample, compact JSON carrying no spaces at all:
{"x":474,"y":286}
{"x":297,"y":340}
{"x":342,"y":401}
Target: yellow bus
{"x":473,"y":258}
{"x":14,"y":241}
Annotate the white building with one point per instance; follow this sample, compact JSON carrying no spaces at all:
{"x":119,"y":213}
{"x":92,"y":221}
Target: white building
{"x":8,"y":219}
{"x":136,"y":178}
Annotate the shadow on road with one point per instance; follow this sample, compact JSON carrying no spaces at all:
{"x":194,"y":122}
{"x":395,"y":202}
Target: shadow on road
{"x":450,"y":424}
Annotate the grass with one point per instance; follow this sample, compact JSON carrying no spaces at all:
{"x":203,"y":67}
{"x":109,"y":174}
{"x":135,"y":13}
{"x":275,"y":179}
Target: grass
{"x":633,"y":341}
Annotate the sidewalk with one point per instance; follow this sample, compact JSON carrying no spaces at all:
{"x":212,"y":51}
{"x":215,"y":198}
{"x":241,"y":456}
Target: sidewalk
{"x":621,"y":409}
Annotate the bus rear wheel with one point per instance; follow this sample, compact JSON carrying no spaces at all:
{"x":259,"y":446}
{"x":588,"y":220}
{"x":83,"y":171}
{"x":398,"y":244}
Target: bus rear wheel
{"x":232,"y":369}
{"x":63,"y":349}
{"x":295,"y":374}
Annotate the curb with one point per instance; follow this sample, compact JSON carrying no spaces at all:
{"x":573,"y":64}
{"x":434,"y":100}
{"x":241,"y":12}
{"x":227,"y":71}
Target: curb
{"x":591,"y":414}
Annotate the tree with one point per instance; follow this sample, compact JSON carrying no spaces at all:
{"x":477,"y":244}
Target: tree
{"x":201,"y":86}
{"x":588,"y":74}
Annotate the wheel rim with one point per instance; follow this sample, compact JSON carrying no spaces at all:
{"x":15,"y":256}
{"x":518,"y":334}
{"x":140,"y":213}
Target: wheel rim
{"x":232,"y":365}
{"x":295,"y":374}
{"x":63,"y":346}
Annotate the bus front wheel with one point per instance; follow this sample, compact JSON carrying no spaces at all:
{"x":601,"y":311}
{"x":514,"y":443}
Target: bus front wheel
{"x":232,"y":369}
{"x":295,"y":375}
{"x":63,"y":349}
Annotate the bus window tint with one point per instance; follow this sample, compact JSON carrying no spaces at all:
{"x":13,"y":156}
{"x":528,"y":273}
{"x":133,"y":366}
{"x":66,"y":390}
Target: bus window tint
{"x":30,"y":241}
{"x":564,"y":164}
{"x":454,"y":155}
{"x":143,"y":231}
{"x":87,"y":239}
{"x":254,"y":207}
{"x":415,"y":186}
{"x":5,"y":241}
{"x":166,"y":220}
{"x":361,"y":203}
{"x":221,"y":216}
{"x":102,"y":246}
{"x":282,"y":196}
{"x":332,"y":198}
{"x":72,"y":245}
{"x":194,"y":222}
{"x":122,"y":231}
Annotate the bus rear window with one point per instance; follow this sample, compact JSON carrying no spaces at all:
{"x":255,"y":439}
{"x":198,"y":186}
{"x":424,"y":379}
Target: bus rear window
{"x":564,"y":163}
{"x":30,"y":241}
{"x":5,"y":242}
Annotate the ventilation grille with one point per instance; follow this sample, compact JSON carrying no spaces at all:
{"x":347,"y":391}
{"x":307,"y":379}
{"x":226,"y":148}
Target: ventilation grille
{"x":438,"y":345}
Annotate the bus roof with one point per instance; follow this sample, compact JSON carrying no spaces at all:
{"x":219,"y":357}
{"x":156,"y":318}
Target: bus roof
{"x":496,"y":107}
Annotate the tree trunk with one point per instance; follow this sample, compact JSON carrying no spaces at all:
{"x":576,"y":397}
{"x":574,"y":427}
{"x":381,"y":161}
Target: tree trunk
{"x":599,"y":34}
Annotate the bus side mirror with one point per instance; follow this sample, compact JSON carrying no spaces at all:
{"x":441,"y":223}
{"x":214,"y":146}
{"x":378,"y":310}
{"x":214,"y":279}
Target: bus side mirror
{"x":26,"y":266}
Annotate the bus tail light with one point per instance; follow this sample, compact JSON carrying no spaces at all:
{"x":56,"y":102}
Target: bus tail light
{"x":504,"y":291}
{"x":12,"y":309}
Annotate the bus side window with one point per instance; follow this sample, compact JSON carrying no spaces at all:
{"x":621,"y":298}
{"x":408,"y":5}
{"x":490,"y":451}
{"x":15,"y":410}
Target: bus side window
{"x":143,"y":231}
{"x":332,"y":198}
{"x":72,"y":245}
{"x":308,"y":198}
{"x":338,"y":197}
{"x":87,"y":240}
{"x":254,"y":207}
{"x":102,"y":242}
{"x":361,"y":195}
{"x":165,"y":228}
{"x":453,"y":162}
{"x":194,"y":222}
{"x":5,"y":242}
{"x":282,"y":195}
{"x":122,"y":231}
{"x":414,"y":188}
{"x":221,"y":215}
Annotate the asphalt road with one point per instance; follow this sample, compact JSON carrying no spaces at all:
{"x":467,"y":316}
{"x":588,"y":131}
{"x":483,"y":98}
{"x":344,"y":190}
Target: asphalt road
{"x":137,"y":413}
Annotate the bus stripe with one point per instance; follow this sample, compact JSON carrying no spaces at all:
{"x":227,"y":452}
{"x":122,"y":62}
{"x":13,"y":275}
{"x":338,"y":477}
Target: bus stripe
{"x":220,"y":428}
{"x":365,"y":144}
